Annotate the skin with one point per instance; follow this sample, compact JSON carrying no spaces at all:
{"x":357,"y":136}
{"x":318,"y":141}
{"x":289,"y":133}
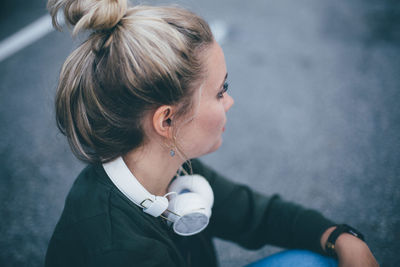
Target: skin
{"x":197,"y":134}
{"x":351,"y":251}
{"x":201,"y":133}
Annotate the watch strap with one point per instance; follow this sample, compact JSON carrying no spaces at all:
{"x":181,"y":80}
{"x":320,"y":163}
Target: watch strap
{"x":340,"y":229}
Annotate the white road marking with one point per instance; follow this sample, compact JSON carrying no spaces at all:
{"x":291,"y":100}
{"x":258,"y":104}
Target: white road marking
{"x":43,"y":26}
{"x":220,"y":30}
{"x":26,"y":36}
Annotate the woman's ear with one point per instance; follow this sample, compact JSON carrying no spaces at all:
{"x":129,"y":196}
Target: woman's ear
{"x":162,"y":121}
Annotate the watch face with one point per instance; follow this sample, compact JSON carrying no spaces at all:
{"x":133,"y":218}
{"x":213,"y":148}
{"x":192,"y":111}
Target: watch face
{"x":354,"y":232}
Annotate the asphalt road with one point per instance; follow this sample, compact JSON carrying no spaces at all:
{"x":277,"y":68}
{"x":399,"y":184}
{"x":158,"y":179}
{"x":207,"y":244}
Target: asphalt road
{"x":316,"y":118}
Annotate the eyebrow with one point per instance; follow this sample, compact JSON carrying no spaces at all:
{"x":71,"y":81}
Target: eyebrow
{"x":222,"y":84}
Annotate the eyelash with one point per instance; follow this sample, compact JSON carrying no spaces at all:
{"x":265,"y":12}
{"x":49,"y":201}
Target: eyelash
{"x":224,"y":89}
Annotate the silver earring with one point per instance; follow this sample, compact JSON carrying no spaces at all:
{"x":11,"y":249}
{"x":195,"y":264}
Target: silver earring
{"x":172,"y":152}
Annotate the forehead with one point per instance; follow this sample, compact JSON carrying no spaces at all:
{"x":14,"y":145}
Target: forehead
{"x":215,"y":68}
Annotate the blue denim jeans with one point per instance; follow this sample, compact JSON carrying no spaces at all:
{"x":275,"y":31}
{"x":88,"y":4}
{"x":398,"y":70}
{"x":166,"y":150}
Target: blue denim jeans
{"x":298,"y":258}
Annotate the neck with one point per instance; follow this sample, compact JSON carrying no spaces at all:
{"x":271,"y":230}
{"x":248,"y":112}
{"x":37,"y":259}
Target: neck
{"x":153,"y":167}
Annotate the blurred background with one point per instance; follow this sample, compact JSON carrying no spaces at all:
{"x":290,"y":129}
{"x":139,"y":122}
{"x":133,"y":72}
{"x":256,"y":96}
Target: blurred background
{"x":316,"y":117}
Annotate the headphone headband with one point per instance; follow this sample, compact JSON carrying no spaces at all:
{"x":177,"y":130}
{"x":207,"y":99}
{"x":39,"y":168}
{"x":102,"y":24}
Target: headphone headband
{"x":189,"y":212}
{"x":127,"y":183}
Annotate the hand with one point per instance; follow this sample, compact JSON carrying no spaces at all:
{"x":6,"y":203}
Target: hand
{"x":351,"y":251}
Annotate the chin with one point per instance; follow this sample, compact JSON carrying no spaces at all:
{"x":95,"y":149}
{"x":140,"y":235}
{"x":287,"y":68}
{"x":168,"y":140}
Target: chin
{"x":207,"y":150}
{"x":215,"y":147}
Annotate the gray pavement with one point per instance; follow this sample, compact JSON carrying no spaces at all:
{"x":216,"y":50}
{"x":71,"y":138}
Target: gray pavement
{"x":316,"y":119}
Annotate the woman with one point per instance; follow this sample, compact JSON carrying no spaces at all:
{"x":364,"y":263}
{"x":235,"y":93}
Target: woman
{"x":145,"y":93}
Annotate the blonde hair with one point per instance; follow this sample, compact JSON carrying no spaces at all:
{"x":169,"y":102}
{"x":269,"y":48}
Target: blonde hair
{"x":135,"y":59}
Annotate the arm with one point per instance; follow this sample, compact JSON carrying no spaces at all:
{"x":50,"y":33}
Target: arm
{"x":351,"y":251}
{"x":252,"y":220}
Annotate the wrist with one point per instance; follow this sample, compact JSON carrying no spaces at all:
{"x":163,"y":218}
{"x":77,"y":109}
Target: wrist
{"x":325,"y":236}
{"x":335,"y":238}
{"x":346,"y":241}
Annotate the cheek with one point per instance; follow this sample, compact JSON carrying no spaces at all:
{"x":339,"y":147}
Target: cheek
{"x":203,"y":135}
{"x":213,"y":122}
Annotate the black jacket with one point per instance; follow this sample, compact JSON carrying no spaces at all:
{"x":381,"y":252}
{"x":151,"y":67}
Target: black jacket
{"x":101,"y":227}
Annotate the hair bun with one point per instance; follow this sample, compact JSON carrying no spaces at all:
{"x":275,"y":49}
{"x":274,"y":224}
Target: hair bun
{"x":88,"y":14}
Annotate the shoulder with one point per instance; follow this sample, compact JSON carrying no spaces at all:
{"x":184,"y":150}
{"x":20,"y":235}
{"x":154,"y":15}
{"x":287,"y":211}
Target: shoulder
{"x":96,"y":211}
{"x":87,"y":197}
{"x":100,"y":224}
{"x":101,"y":245}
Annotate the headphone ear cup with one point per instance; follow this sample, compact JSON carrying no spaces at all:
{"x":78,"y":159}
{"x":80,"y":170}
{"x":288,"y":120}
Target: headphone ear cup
{"x":195,"y":184}
{"x":192,"y":203}
{"x":193,"y":213}
{"x":189,"y":202}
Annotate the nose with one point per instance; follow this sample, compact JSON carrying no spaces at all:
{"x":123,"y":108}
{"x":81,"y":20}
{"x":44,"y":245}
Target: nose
{"x":228,"y":102}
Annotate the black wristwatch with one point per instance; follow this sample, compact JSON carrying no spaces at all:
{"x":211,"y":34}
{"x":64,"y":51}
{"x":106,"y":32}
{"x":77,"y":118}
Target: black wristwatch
{"x":340,"y":229}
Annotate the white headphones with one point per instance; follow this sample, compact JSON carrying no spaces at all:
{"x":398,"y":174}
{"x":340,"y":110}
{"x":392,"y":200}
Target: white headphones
{"x":191,"y":198}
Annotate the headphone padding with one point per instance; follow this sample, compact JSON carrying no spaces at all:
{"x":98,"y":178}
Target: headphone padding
{"x":193,"y":183}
